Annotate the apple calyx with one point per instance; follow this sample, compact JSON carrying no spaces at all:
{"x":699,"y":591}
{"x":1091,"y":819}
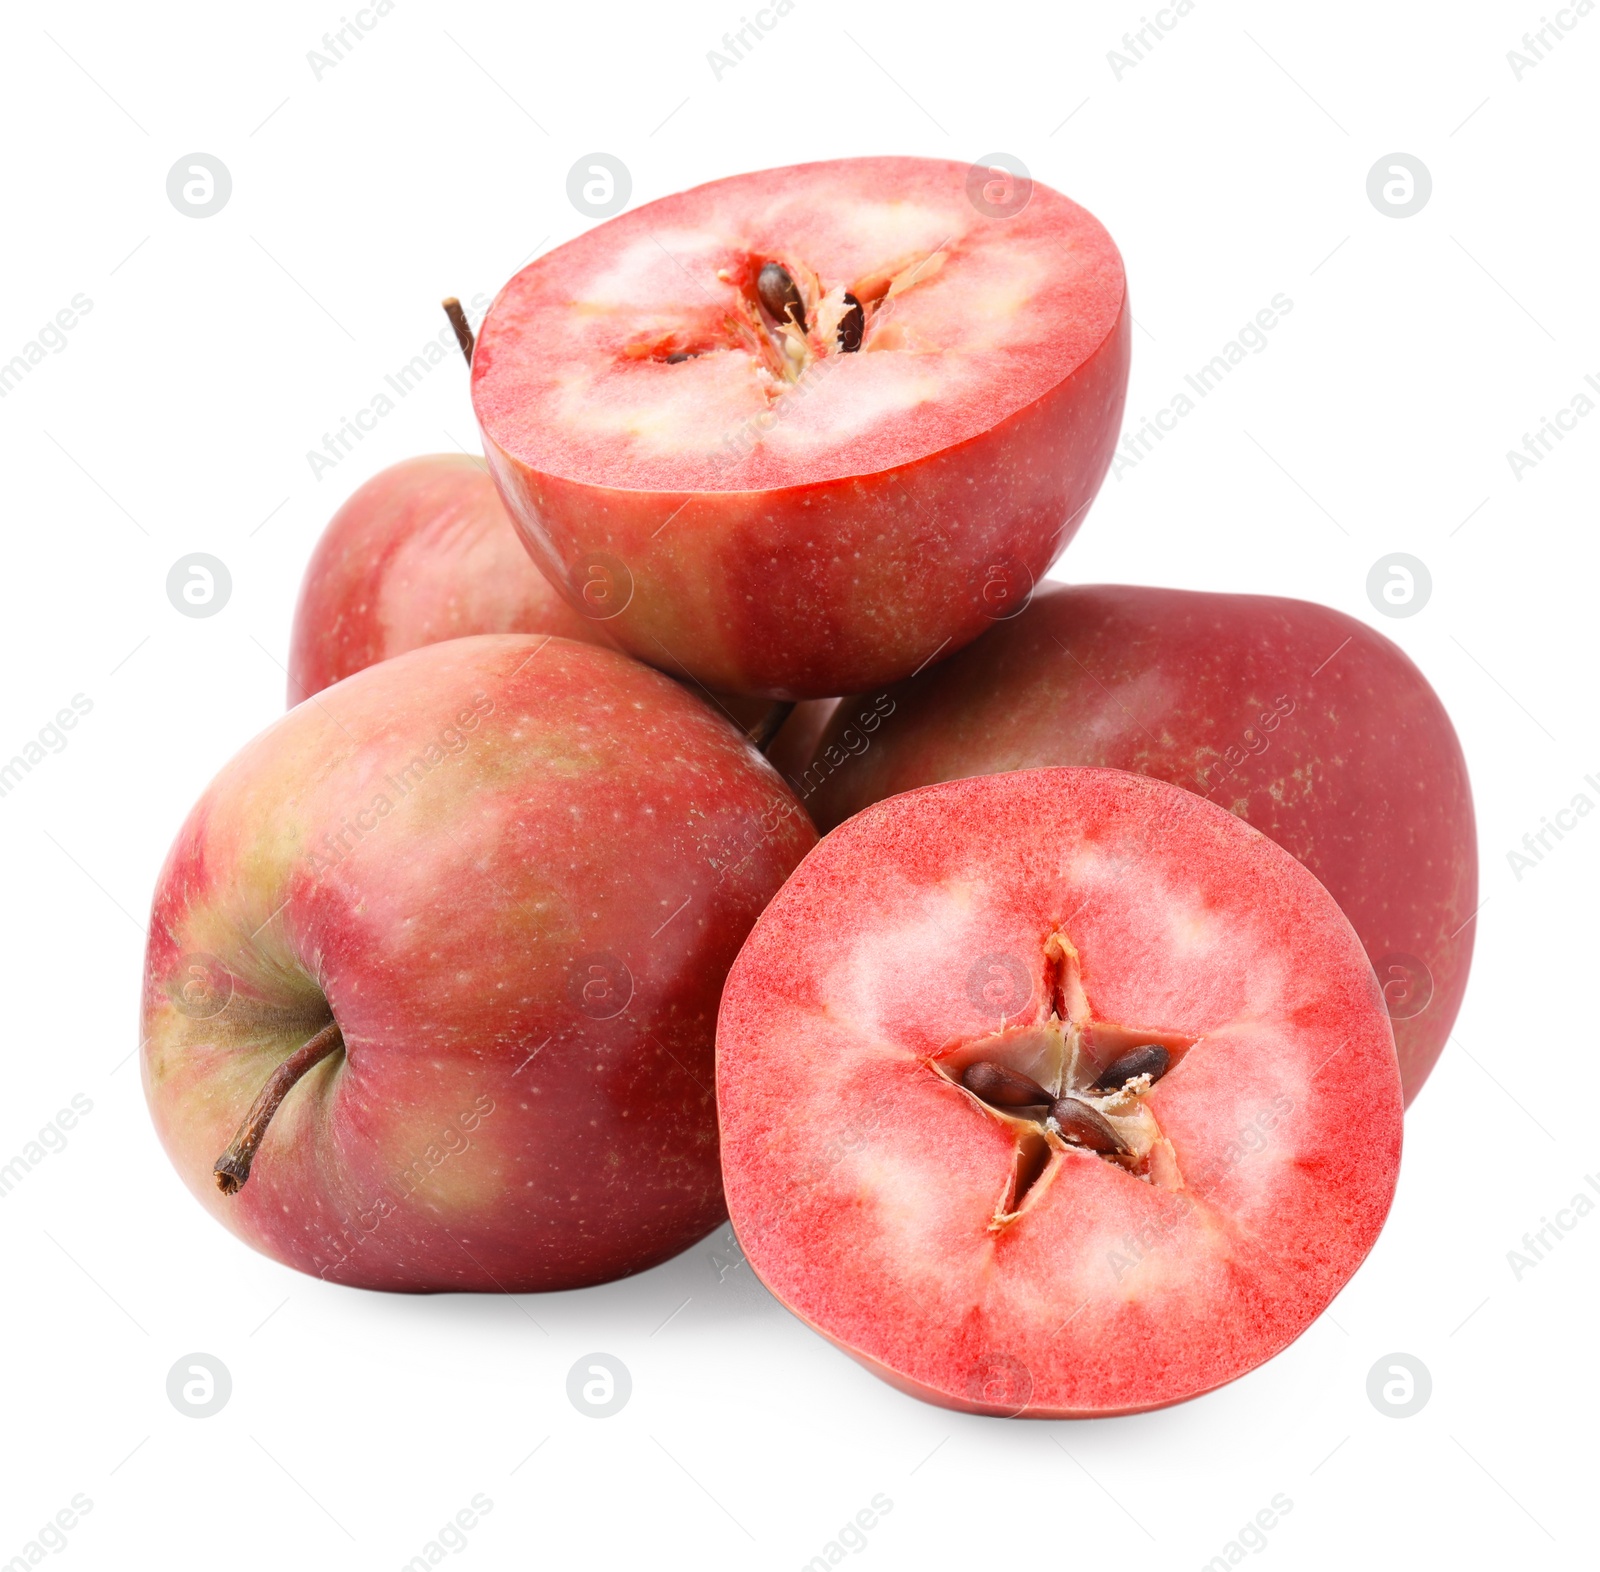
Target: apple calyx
{"x":233,"y":1167}
{"x":1087,"y":1089}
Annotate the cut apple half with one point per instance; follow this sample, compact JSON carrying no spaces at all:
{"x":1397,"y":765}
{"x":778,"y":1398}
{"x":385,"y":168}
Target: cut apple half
{"x":1060,"y":1093}
{"x":796,"y":432}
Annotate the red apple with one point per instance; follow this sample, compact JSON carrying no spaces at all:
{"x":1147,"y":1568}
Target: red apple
{"x":807,"y":429}
{"x":466,"y":918}
{"x":1061,"y":1093}
{"x":421,"y":552}
{"x":1302,"y":721}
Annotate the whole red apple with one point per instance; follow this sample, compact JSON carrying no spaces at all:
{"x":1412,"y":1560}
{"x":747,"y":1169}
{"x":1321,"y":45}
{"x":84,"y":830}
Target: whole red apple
{"x":1060,"y":1093}
{"x":1303,"y":721}
{"x":424,"y":552}
{"x":805,"y":430}
{"x":434,"y":965}
{"x":421,"y":552}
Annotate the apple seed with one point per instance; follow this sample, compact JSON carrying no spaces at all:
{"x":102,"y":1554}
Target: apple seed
{"x":780,"y":295}
{"x":1003,"y":1088}
{"x":1148,"y":1059}
{"x":1084,"y":1126}
{"x":851,"y":325}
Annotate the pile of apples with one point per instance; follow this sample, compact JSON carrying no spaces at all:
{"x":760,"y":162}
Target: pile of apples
{"x":1062,"y":1077}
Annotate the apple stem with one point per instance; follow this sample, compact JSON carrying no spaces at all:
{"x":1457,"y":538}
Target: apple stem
{"x":458,"y":320}
{"x":770,"y":724}
{"x":233,"y":1167}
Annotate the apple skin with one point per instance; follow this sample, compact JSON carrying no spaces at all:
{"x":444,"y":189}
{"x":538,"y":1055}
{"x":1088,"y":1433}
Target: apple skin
{"x":515,"y":871}
{"x":424,"y":552}
{"x":1302,"y":721}
{"x":421,"y":552}
{"x":854,"y":565}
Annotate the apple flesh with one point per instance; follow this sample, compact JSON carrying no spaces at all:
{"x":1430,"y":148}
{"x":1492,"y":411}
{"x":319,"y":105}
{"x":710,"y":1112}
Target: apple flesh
{"x":1304,"y":722}
{"x":420,"y":553}
{"x":508,"y":874}
{"x":1155,"y":968}
{"x":800,"y":482}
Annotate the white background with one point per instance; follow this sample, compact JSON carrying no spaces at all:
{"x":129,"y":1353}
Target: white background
{"x":1230,"y":165}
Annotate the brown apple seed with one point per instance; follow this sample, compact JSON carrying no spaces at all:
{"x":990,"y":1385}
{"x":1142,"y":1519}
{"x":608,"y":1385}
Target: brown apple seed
{"x":851,"y":325}
{"x":1001,"y":1087}
{"x":1084,"y":1126}
{"x":1149,"y":1059}
{"x":780,"y":295}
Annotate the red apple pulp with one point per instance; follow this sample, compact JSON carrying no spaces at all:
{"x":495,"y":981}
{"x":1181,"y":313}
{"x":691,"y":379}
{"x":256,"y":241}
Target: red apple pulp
{"x":1304,"y":722}
{"x":509,"y":873}
{"x":1144,"y":1233}
{"x":805,"y":430}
